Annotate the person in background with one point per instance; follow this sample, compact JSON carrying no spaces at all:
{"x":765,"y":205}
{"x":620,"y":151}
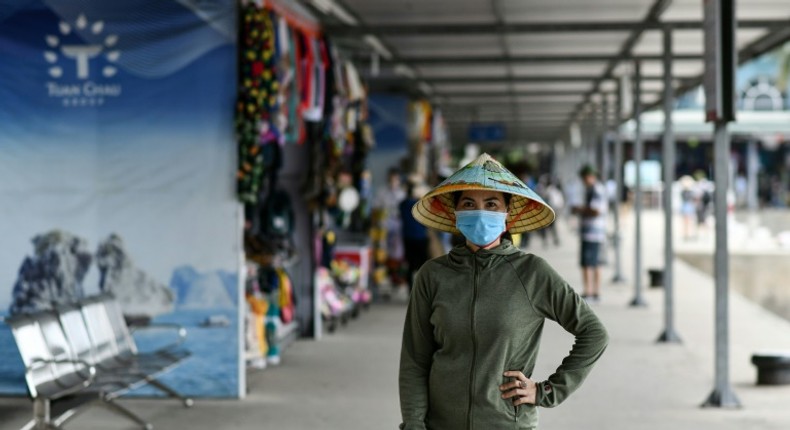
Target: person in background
{"x":554,"y":198}
{"x":388,"y":198}
{"x":415,"y":235}
{"x":688,"y":205}
{"x":475,"y":316}
{"x":741,"y":187}
{"x":704,"y":195}
{"x":592,"y":212}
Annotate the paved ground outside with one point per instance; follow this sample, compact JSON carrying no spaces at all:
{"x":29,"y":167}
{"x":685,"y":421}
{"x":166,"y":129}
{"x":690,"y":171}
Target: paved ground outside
{"x":349,"y":379}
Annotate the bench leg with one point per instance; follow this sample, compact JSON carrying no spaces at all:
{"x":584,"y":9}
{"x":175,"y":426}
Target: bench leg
{"x":67,"y":416}
{"x":31,"y":425}
{"x":120,"y":410}
{"x":42,"y":419}
{"x":188,"y":402}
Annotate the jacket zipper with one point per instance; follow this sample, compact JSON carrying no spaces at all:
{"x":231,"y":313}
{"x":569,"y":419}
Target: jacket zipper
{"x":474,"y":346}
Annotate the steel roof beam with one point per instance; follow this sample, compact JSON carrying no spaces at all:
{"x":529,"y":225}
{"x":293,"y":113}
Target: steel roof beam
{"x":429,"y":29}
{"x":516,"y":79}
{"x":525,"y":118}
{"x":528,"y":110}
{"x":652,"y":17}
{"x":496,"y":9}
{"x":413,"y":87}
{"x":540,"y":93}
{"x":527,"y":59}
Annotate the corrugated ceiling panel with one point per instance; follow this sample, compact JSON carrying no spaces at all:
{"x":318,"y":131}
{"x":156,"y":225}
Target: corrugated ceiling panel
{"x":685,"y":10}
{"x":574,"y":10}
{"x":566,"y":43}
{"x":689,"y":41}
{"x":554,"y":86}
{"x":472,"y":88}
{"x":463,"y":70}
{"x":437,"y":46}
{"x":427,"y":12}
{"x":560,"y":69}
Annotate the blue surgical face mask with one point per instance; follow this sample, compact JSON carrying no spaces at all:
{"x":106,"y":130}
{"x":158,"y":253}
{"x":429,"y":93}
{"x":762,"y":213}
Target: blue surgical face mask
{"x":481,"y":227}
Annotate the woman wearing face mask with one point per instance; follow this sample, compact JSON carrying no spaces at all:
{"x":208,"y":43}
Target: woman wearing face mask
{"x":475,"y":315}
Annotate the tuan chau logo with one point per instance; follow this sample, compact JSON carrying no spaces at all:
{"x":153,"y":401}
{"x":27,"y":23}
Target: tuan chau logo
{"x":71,"y":62}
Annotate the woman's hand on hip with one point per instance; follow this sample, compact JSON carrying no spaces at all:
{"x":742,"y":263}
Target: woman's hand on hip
{"x":521,"y":389}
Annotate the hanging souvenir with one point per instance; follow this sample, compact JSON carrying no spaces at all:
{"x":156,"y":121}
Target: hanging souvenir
{"x":256,"y":97}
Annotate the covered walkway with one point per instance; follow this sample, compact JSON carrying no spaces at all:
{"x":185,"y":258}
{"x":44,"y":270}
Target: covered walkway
{"x":548,"y":81}
{"x":349,"y":379}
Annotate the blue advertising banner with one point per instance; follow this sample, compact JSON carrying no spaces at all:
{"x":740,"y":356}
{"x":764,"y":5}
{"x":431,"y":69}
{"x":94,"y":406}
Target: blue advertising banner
{"x":493,"y":132}
{"x":389,"y":118}
{"x":117,"y":163}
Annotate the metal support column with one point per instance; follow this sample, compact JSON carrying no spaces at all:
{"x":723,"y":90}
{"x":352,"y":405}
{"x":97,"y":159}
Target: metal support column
{"x":668,"y":335}
{"x":618,"y":179}
{"x":752,"y":170}
{"x":722,"y":395}
{"x":589,"y":138}
{"x":639,"y":149}
{"x":720,"y":71}
{"x":605,"y":144}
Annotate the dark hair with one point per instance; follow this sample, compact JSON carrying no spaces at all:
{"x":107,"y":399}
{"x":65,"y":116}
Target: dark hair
{"x":410,"y":189}
{"x":457,"y":197}
{"x":587,"y":170}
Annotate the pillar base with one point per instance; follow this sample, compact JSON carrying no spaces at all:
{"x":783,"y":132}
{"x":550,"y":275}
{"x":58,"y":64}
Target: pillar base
{"x":722,"y":398}
{"x":638,"y":302}
{"x":669,"y":336}
{"x":618,"y":279}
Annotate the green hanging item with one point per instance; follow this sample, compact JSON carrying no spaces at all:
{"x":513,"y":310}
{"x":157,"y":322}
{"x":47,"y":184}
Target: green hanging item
{"x":256,"y":89}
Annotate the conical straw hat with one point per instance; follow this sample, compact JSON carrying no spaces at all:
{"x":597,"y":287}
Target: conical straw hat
{"x":528,"y":212}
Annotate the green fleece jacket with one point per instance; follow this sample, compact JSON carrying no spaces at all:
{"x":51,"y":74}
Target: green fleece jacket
{"x":473,"y":316}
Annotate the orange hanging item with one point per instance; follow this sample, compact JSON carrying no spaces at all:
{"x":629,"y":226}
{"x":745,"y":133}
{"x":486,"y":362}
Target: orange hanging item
{"x":286,"y":297}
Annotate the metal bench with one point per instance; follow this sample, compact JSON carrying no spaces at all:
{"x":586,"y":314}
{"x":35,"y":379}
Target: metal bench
{"x":85,"y":351}
{"x":48,"y":378}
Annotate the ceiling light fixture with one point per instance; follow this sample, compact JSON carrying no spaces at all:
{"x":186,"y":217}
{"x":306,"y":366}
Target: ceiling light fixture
{"x":575,"y":135}
{"x":404,"y":70}
{"x":329,"y":7}
{"x":377,"y":46}
{"x":425,"y":88}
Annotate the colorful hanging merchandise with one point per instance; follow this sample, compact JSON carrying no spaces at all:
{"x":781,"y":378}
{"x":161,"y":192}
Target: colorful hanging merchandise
{"x":270,"y":284}
{"x":277,"y":218}
{"x":347,"y":278}
{"x":287,"y":118}
{"x":256,"y":346}
{"x":286,"y":297}
{"x":256,"y":100}
{"x":313,"y":66}
{"x":336,"y":307}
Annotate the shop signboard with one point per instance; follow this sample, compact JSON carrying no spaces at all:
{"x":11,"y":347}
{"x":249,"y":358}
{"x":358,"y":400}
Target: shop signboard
{"x":117,"y":173}
{"x":487,"y":132}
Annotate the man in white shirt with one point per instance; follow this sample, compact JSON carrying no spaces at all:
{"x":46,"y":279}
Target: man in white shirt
{"x":592,"y":213}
